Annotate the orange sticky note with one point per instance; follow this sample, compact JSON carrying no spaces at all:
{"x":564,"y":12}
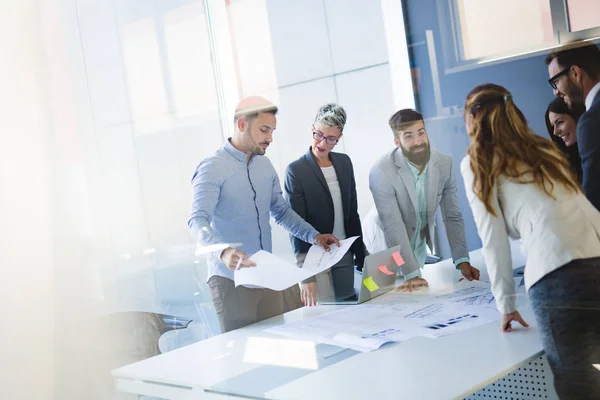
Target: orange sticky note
{"x":398,"y":258}
{"x":385,"y":270}
{"x":370,"y":284}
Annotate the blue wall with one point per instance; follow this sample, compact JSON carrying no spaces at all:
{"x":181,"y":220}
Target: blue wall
{"x":526,"y":79}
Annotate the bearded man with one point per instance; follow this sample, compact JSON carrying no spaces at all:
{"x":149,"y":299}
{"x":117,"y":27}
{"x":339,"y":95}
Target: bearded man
{"x":408,"y":185}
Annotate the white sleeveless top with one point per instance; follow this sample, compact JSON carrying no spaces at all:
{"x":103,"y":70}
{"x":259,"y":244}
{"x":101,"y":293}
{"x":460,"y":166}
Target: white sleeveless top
{"x":339,"y":230}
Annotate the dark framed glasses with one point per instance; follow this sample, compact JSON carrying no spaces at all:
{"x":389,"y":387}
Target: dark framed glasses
{"x":330,"y":140}
{"x":552,"y":81}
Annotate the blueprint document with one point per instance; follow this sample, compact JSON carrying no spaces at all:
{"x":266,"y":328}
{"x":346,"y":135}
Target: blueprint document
{"x":475,"y":294}
{"x":319,"y":260}
{"x":361,"y":327}
{"x":440,"y":319}
{"x":395,"y":318}
{"x":275,"y":273}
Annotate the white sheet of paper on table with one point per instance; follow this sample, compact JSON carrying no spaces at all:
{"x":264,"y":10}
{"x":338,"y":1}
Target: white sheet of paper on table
{"x":275,"y":273}
{"x":440,"y":319}
{"x":463,"y":290}
{"x":360,"y":327}
{"x":483,"y":296}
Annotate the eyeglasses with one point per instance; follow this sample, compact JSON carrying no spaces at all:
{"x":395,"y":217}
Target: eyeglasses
{"x":552,"y":81}
{"x":330,"y":140}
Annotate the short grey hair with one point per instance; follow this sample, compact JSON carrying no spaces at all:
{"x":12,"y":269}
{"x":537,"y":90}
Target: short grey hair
{"x":331,"y":115}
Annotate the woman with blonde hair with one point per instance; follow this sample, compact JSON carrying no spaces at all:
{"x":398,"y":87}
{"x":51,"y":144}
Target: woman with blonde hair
{"x":520,"y":185}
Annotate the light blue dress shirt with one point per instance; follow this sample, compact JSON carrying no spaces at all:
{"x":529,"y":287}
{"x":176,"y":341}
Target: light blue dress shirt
{"x":418,"y":241}
{"x":233,"y":200}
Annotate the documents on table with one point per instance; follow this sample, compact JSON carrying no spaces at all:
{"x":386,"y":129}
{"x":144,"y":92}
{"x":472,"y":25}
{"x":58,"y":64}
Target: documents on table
{"x":398,"y":317}
{"x":477,"y":293}
{"x":275,"y":273}
{"x":360,"y":327}
{"x":440,"y":319}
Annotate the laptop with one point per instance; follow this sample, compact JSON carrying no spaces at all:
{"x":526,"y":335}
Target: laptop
{"x":378,"y":277}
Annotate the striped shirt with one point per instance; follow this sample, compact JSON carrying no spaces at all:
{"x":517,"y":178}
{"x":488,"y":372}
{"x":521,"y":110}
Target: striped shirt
{"x":233,"y":200}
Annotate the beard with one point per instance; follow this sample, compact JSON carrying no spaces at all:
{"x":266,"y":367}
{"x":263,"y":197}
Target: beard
{"x":255,"y":148}
{"x":574,"y":96}
{"x":259,"y":150}
{"x":419,"y":158}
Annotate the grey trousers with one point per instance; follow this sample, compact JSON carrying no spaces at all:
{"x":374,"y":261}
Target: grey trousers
{"x":566,"y":303}
{"x":240,"y":306}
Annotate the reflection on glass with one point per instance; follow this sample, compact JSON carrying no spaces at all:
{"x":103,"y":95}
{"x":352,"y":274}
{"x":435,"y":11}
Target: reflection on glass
{"x":495,"y":27}
{"x":281,"y":352}
{"x":583,"y":14}
{"x":208,"y":241}
{"x":143,"y":68}
{"x":190,"y":65}
{"x":214,"y":247}
{"x":253,"y":49}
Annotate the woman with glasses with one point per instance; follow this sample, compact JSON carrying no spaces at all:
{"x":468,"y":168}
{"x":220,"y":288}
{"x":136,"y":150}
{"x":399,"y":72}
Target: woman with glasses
{"x":320,"y":187}
{"x":561,"y":123}
{"x":519,"y":185}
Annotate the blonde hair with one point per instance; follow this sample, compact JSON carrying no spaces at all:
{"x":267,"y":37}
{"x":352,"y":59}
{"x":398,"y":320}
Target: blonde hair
{"x":503,"y":144}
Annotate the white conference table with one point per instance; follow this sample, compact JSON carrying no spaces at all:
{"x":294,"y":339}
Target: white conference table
{"x":249,"y":363}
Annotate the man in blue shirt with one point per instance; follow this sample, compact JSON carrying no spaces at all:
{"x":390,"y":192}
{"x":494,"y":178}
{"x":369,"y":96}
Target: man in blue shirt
{"x":408,"y":185}
{"x":234,"y":194}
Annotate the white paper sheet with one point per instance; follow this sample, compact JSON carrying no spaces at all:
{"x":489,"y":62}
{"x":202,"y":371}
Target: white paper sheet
{"x":463,"y":290}
{"x":271,"y":272}
{"x":277,"y":274}
{"x":361,"y":328}
{"x":319,"y":260}
{"x":440,"y":319}
{"x":484,"y":296}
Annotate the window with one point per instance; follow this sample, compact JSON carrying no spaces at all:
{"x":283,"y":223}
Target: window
{"x":583,"y":14}
{"x":142,"y":65}
{"x":168,"y":65}
{"x":493,"y":27}
{"x":480,"y":32}
{"x":189,"y":60}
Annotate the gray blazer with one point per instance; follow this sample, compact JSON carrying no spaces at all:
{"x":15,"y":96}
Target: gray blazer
{"x":393,"y":188}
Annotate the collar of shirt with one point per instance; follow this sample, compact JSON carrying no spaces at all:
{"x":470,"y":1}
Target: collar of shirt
{"x":238,"y":155}
{"x":591,"y":95}
{"x":415,"y":171}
